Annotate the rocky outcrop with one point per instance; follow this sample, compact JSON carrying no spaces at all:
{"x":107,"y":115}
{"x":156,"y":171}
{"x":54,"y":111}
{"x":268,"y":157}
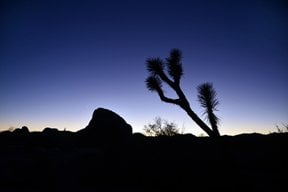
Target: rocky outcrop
{"x":50,"y":131}
{"x":23,"y":131}
{"x":106,"y":127}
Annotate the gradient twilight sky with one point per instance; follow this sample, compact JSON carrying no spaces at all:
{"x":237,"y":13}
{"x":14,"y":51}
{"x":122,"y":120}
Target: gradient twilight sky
{"x":60,"y":60}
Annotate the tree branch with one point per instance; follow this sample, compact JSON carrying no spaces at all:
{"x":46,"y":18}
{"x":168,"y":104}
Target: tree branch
{"x":166,"y":79}
{"x":166,"y":99}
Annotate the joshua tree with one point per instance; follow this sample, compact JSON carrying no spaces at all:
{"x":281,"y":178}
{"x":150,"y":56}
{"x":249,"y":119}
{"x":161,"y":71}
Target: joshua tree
{"x":158,"y":69}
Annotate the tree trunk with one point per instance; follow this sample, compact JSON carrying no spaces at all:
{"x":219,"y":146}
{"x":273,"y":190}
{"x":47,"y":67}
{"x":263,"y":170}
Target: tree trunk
{"x":199,"y":122}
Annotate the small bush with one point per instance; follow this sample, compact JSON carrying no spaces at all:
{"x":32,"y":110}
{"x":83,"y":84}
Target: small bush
{"x":283,"y":129}
{"x":161,"y":127}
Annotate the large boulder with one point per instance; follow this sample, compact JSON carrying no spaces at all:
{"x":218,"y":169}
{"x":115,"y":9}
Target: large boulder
{"x":23,"y":131}
{"x":106,"y":127}
{"x":50,"y":131}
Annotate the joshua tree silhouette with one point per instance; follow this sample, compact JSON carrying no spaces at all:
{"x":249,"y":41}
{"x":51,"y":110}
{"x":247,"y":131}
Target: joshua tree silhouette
{"x":206,"y":93}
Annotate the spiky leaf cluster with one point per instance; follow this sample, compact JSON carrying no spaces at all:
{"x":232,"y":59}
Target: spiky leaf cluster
{"x":208,"y":100}
{"x":153,"y":83}
{"x":174,"y":64}
{"x":156,"y":68}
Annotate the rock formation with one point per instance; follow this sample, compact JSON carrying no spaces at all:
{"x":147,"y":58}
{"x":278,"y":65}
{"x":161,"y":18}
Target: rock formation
{"x":23,"y":131}
{"x":106,"y":127}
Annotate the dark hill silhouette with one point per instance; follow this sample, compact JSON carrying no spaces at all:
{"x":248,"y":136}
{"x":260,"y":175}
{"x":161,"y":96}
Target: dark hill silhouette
{"x":106,"y":127}
{"x":58,"y":160}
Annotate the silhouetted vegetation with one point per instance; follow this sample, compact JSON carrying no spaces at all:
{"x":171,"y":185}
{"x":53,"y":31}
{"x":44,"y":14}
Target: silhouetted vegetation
{"x":208,"y":100}
{"x":282,"y":129}
{"x":158,"y":69}
{"x":161,"y":127}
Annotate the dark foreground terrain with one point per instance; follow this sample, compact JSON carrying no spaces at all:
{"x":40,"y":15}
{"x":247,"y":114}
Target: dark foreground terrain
{"x":64,"y":161}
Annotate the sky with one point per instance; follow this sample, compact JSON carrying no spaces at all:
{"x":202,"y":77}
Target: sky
{"x":60,"y":60}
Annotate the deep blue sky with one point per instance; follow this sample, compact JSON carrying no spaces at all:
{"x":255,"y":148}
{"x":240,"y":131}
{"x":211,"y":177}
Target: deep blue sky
{"x":59,"y":60}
